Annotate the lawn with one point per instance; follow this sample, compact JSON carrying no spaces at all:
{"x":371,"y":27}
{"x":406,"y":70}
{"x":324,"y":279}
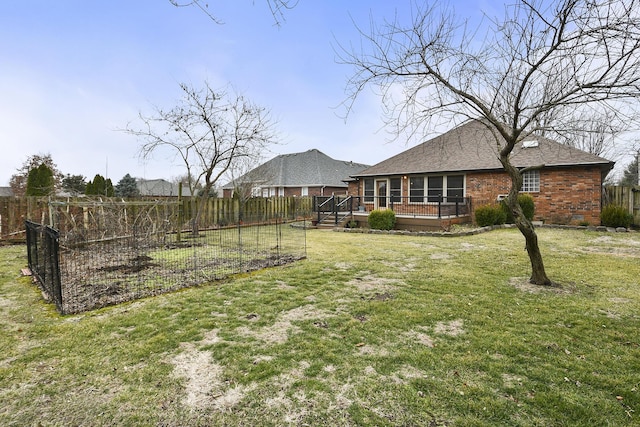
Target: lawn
{"x":368,"y":330}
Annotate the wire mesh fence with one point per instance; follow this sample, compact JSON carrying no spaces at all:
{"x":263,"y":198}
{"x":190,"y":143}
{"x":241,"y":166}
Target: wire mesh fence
{"x":42,"y":254}
{"x":114,"y":251}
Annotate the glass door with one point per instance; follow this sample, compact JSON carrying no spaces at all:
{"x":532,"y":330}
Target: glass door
{"x":381,"y":189}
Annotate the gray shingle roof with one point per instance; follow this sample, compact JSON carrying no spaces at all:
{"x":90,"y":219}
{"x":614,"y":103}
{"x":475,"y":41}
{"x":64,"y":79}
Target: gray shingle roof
{"x":471,"y":147}
{"x":160,"y":187}
{"x":311,"y":168}
{"x":6,"y":192}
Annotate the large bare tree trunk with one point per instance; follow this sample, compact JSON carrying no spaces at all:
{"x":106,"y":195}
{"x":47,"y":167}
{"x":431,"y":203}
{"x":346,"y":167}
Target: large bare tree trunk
{"x":538,"y":273}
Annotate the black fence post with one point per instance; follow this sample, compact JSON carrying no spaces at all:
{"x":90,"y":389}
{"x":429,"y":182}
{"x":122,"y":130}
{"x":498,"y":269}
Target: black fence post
{"x":43,"y":249}
{"x":53,"y":266}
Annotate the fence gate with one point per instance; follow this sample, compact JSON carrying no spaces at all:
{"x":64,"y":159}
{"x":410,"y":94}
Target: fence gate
{"x":43,"y":246}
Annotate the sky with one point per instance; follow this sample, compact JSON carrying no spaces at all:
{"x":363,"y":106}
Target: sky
{"x":73,"y":73}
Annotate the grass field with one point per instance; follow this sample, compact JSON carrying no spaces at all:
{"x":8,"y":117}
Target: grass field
{"x":376,"y":330}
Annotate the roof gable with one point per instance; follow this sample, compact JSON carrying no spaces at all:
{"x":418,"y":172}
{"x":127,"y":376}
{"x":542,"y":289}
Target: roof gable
{"x":472,"y":147}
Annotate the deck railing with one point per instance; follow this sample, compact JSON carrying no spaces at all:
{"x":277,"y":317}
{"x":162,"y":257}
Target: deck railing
{"x":336,"y":207}
{"x":431,"y":206}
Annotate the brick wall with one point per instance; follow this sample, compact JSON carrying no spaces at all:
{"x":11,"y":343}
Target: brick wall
{"x":569,"y":195}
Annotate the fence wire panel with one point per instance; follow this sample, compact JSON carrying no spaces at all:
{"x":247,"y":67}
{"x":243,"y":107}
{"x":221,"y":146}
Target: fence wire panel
{"x":115,"y":252}
{"x":42,"y":254}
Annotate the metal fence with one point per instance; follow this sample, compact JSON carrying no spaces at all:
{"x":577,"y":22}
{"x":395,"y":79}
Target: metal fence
{"x":437,"y":206}
{"x":43,"y":258}
{"x":107,"y":253}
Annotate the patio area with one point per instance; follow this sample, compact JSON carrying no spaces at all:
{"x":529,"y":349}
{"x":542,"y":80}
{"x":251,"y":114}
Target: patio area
{"x":428,"y":214}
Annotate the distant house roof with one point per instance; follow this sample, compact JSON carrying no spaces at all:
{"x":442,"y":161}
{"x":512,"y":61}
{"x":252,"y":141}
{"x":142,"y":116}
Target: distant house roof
{"x":472,"y":147}
{"x":160,"y":187}
{"x":311,"y":168}
{"x":6,"y":192}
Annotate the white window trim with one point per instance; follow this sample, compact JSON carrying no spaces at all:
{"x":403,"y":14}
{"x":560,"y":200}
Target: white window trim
{"x":532,"y":180}
{"x":445,"y":187}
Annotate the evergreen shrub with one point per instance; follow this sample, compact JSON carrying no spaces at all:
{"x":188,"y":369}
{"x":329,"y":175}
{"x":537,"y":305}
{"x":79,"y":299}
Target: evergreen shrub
{"x":526,"y":203}
{"x":382,"y":219}
{"x":490,"y":215}
{"x":616,"y":216}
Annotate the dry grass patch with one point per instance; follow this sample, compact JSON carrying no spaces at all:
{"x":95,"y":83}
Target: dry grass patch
{"x":523,"y":284}
{"x":205,"y":386}
{"x":452,"y":328}
{"x":283,"y":327}
{"x":371,"y":284}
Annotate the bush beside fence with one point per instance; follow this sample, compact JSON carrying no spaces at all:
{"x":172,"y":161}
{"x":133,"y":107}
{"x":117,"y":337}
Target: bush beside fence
{"x":626,"y":196}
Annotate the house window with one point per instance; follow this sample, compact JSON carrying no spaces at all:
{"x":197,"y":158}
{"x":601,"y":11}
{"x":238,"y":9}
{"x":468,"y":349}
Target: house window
{"x":304,"y":191}
{"x":416,"y":189}
{"x":455,"y":188}
{"x":369,"y":190}
{"x":395,"y":190}
{"x":435,"y":188}
{"x":531,"y":181}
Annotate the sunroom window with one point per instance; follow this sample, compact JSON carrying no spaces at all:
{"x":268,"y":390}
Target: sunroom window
{"x":435,"y":187}
{"x":416,"y":189}
{"x":395,"y":189}
{"x":369,"y":190}
{"x":455,"y":188}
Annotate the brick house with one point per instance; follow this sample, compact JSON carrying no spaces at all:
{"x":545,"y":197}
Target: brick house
{"x":310,"y":173}
{"x":461,"y":167}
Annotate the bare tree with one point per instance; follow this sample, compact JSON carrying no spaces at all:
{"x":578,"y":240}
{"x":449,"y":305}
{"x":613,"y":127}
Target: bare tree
{"x":245,"y":177}
{"x":277,"y":8}
{"x":595,"y":132}
{"x":542,"y":60}
{"x":209,"y":131}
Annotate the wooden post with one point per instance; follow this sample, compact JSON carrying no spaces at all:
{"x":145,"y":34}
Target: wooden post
{"x":179,"y":226}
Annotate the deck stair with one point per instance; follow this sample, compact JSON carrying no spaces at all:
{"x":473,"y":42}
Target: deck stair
{"x":333,"y":211}
{"x":329,"y":221}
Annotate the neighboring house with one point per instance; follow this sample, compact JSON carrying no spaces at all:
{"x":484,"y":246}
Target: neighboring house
{"x":6,"y":192}
{"x":311,"y":173}
{"x":462,"y":167}
{"x":160,"y":188}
